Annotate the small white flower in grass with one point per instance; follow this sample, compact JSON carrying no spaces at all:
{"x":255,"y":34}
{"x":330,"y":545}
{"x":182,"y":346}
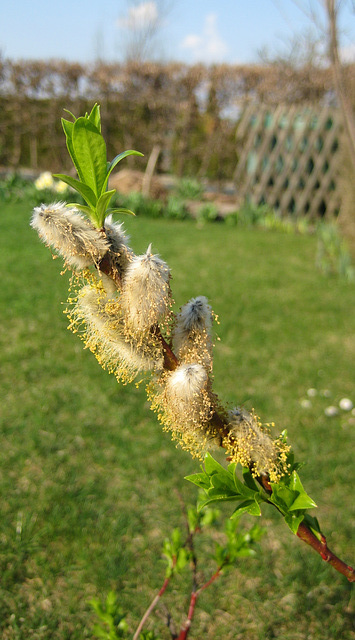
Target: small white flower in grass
{"x":331,"y":411}
{"x":72,"y":235}
{"x":311,"y":393}
{"x":305,"y":403}
{"x":145,"y":292}
{"x":346,"y":404}
{"x":44,"y":181}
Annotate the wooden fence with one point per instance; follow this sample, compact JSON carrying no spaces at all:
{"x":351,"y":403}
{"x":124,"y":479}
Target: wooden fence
{"x":290,"y":158}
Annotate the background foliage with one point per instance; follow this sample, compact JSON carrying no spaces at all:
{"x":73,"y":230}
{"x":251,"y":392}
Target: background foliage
{"x":190,"y":112}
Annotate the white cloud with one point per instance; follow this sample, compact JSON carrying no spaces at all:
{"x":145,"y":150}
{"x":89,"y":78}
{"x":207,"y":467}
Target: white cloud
{"x":207,"y":46}
{"x":140,"y":16}
{"x":347,"y":54}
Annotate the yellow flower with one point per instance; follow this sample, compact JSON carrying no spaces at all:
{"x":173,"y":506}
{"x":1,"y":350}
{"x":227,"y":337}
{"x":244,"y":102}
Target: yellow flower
{"x":44,"y":181}
{"x":60,"y":186}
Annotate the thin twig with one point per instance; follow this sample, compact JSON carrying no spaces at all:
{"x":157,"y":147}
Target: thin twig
{"x":152,"y":605}
{"x":320,"y":546}
{"x":194,"y":595}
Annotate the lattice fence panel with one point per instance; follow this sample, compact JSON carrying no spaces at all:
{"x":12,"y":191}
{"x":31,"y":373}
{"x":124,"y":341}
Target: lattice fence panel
{"x":290,"y":159}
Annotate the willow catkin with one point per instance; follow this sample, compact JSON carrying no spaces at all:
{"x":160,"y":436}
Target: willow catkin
{"x":70,"y":234}
{"x":192,"y":338}
{"x":145,"y":292}
{"x":184,"y":406}
{"x":104,"y":334}
{"x":118,"y":240}
{"x":249,"y":444}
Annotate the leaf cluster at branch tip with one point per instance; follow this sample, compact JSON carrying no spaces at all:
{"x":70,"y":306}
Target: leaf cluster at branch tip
{"x":87,"y":149}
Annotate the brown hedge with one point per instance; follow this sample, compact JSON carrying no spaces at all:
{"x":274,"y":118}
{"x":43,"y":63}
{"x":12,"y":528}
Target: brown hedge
{"x":190,"y":111}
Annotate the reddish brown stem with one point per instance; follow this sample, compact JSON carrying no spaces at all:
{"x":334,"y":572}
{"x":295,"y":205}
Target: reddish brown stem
{"x":320,"y":546}
{"x":153,"y":604}
{"x":305,"y":534}
{"x":212,"y":579}
{"x":186,"y":628}
{"x":108,"y":267}
{"x":170,"y":359}
{"x":195,"y":594}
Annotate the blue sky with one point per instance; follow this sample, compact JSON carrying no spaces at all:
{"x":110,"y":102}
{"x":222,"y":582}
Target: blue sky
{"x":208,"y":31}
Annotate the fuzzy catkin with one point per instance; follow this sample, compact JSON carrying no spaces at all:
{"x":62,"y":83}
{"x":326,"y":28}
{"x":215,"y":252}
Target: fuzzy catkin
{"x":118,"y":241}
{"x":70,"y":233}
{"x":185,"y":384}
{"x":105,"y":336}
{"x":192,"y":333}
{"x":184,"y":407}
{"x":145,"y":292}
{"x":252,"y":444}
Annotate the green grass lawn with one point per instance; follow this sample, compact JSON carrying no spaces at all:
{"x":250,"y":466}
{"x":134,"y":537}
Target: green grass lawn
{"x":88,"y":480}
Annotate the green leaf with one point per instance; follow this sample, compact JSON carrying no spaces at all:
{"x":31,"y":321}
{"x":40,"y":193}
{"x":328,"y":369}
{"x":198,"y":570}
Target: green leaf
{"x":224,"y":482}
{"x":289,"y":495}
{"x":254,"y":509}
{"x":70,"y":113}
{"x":209,"y":517}
{"x":102,"y":205}
{"x":111,"y":602}
{"x":245,"y":552}
{"x":200,"y":479}
{"x":99,"y":632}
{"x":249,"y":480}
{"x":293,"y":521}
{"x":121,"y":210}
{"x":303,"y":500}
{"x":212,"y":466}
{"x":176,"y":539}
{"x":80,"y":187}
{"x":219,"y":497}
{"x":90,"y":152}
{"x":282,"y":497}
{"x":80,"y":207}
{"x":248,"y":506}
{"x":192,"y":519}
{"x":221,"y":555}
{"x":68,"y":130}
{"x":313,"y":525}
{"x":182,"y":558}
{"x":96,"y":605}
{"x":244,"y":490}
{"x":111,"y":165}
{"x":94,"y":116}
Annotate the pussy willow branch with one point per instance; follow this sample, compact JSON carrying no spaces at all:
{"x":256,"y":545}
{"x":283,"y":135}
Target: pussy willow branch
{"x":108,"y":266}
{"x":320,"y":546}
